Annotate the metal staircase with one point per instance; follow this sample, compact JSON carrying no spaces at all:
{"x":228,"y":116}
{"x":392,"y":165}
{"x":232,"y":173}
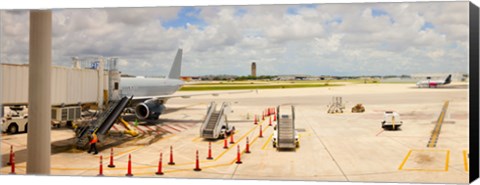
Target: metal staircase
{"x":286,"y":129}
{"x":215,"y":124}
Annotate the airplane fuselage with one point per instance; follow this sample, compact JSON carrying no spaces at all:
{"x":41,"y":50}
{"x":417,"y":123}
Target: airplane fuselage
{"x":149,"y":86}
{"x":430,"y":83}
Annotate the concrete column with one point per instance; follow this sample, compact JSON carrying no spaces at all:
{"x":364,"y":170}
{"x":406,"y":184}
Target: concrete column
{"x":39,"y":93}
{"x":1,"y":62}
{"x":2,"y":113}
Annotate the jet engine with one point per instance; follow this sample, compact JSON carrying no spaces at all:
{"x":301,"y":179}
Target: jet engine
{"x":149,"y":109}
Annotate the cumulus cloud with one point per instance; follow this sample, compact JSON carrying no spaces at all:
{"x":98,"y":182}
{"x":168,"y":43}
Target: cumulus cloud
{"x":321,"y":39}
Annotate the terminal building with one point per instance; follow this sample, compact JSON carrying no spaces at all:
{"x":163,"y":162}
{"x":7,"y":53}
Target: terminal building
{"x":456,"y":77}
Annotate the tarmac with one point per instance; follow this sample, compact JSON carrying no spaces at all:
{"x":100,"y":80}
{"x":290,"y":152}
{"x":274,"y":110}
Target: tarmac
{"x":333,"y":147}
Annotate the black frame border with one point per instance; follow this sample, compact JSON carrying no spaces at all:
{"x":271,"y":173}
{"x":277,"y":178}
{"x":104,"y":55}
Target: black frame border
{"x":473,"y":91}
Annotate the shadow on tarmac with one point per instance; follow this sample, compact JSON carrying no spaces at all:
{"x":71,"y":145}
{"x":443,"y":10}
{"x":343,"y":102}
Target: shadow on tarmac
{"x":65,"y":146}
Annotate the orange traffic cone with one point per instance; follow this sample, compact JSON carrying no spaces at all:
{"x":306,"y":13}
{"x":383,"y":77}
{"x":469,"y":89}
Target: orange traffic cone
{"x":231,"y":138}
{"x":171,"y":157}
{"x":225,"y":143}
{"x":197,"y":164}
{"x":239,"y":161}
{"x":159,"y":171}
{"x":209,"y":150}
{"x":247,"y":150}
{"x":11,"y":154}
{"x":129,"y":169}
{"x":100,"y":170}
{"x":111,"y":165}
{"x":260,"y":135}
{"x":12,"y":172}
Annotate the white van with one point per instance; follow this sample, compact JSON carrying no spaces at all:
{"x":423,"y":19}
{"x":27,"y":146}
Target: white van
{"x":15,"y":121}
{"x":391,"y":121}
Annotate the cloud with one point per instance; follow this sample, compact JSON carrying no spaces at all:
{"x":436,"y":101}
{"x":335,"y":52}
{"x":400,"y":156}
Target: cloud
{"x":332,"y":39}
{"x":123,"y":63}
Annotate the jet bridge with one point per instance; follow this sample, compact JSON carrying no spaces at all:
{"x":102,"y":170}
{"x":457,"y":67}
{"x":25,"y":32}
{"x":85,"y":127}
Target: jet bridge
{"x":103,"y":123}
{"x":216,"y":125}
{"x":285,"y":136}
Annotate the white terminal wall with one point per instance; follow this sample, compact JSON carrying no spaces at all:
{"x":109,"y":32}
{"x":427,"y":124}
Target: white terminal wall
{"x":69,"y":85}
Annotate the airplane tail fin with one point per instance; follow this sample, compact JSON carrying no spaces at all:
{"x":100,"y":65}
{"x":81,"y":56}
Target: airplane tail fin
{"x":177,"y":66}
{"x":449,"y":79}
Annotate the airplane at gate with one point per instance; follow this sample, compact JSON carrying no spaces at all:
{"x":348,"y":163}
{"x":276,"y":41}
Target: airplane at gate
{"x":150,"y":94}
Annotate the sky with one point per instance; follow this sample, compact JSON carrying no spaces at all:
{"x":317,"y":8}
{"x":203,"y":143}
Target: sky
{"x":312,"y":39}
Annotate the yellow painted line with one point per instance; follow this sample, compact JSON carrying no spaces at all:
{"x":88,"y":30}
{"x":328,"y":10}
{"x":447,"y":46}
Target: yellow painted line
{"x":243,"y":151}
{"x":153,"y":172}
{"x":229,"y":148}
{"x":268,"y":141}
{"x":233,"y":161}
{"x":105,"y":169}
{"x":232,"y":145}
{"x":429,"y":150}
{"x":436,"y":132}
{"x":183,"y":164}
{"x":304,"y":135}
{"x":196,"y":139}
{"x":220,"y":142}
{"x":252,"y":142}
{"x":175,"y":170}
{"x":128,"y":151}
{"x":217,"y":165}
{"x":169,"y":136}
{"x":447,"y":160}
{"x":405,"y":160}
{"x":224,"y":152}
{"x":424,"y":170}
{"x":73,"y":169}
{"x":465,"y":160}
{"x":106,"y":157}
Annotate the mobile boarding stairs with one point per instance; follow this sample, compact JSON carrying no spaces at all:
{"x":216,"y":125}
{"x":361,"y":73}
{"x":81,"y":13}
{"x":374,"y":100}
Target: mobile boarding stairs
{"x":285,"y":136}
{"x":215,"y":125}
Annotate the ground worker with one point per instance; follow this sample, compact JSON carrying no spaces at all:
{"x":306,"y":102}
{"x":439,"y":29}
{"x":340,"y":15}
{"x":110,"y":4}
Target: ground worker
{"x":93,"y":143}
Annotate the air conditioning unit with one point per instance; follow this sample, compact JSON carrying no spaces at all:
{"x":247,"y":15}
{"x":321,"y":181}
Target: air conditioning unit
{"x":66,"y":113}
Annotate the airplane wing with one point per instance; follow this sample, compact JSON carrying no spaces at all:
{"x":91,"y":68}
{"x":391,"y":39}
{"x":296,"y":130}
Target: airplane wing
{"x":136,"y":100}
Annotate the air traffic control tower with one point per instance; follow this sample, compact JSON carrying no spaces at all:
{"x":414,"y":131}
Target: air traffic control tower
{"x":254,"y":69}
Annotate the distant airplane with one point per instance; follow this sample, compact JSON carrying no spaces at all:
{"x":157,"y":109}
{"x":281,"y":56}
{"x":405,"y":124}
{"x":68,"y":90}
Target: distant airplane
{"x":434,"y":83}
{"x":150,"y":94}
